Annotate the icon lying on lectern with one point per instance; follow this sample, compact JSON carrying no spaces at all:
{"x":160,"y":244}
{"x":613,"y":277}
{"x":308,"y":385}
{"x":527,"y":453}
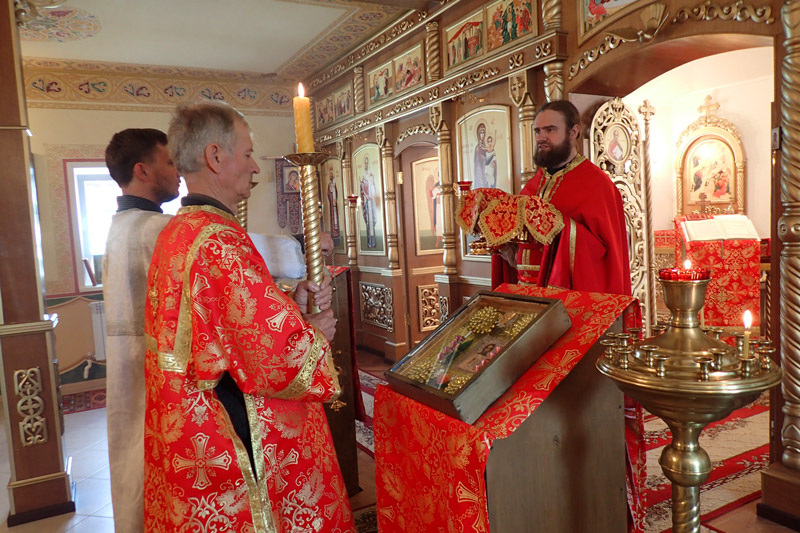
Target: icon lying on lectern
{"x":479,"y":352}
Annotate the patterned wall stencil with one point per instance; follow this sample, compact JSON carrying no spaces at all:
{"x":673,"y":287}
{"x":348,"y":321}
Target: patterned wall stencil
{"x":60,"y":25}
{"x":66,"y":84}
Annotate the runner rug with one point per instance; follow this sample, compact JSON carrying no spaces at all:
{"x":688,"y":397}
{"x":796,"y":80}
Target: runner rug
{"x":364,"y":434}
{"x":739,"y":449}
{"x":83,"y":401}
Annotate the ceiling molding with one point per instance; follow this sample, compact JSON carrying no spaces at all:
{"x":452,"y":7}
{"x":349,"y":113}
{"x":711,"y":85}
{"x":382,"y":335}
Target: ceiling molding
{"x":68,"y":84}
{"x":340,"y":37}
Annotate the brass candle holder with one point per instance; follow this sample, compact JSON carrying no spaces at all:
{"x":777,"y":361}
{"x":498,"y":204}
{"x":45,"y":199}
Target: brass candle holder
{"x":688,"y":379}
{"x":307,"y":163}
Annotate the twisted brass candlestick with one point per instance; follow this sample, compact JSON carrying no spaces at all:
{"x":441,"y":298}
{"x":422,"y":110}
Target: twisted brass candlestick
{"x":689,"y":380}
{"x":307,"y":163}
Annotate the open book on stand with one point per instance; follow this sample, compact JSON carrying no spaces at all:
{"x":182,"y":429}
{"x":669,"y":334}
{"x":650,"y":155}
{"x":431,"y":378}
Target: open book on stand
{"x":719,"y":228}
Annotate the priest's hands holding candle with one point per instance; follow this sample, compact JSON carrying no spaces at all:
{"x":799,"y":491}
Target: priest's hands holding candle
{"x":323,"y":296}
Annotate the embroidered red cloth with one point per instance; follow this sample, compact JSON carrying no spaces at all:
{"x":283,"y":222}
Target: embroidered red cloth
{"x":472,"y":204}
{"x":506,"y":218}
{"x":430,"y":467}
{"x":591,"y":252}
{"x":735,"y":276}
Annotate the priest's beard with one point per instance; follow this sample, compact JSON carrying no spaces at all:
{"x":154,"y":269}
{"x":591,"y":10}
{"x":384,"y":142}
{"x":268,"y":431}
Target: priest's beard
{"x":554,"y":157}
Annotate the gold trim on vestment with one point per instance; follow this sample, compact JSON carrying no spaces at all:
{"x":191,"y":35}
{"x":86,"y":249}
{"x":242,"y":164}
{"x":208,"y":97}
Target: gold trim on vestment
{"x":337,"y":389}
{"x":209,"y":208}
{"x":302,"y":380}
{"x":259,"y":495}
{"x":178,"y":360}
{"x":573,"y":234}
{"x":552,"y":181}
{"x":246,"y":467}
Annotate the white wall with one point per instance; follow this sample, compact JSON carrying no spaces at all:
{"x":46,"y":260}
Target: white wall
{"x":272,"y":136}
{"x":741,"y":82}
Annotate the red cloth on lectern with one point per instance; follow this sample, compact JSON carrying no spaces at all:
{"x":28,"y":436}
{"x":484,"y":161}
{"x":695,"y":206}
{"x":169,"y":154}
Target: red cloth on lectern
{"x":735,"y":275}
{"x":591,"y":254}
{"x":430,"y":468}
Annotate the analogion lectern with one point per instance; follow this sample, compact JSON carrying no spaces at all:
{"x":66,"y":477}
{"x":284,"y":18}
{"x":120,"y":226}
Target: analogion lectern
{"x":547,"y":456}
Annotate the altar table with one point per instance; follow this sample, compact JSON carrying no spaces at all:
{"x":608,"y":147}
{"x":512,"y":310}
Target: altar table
{"x":735,"y":275}
{"x":547,"y":456}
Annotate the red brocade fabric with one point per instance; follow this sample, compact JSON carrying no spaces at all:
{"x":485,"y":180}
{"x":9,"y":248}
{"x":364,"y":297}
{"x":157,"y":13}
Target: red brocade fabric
{"x":212,"y":308}
{"x":591,"y":252}
{"x":735,"y":272}
{"x":430,"y":468}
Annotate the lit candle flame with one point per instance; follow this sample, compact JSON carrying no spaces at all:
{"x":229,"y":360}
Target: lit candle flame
{"x":300,"y":91}
{"x":687,"y":264}
{"x":748,"y":320}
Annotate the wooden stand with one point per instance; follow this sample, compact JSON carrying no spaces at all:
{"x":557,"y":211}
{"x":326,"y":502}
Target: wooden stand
{"x":341,"y":414}
{"x":563,"y":469}
{"x":780,"y":496}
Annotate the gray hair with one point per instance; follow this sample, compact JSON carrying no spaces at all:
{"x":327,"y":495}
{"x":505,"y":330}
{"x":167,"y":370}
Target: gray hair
{"x":196,"y":125}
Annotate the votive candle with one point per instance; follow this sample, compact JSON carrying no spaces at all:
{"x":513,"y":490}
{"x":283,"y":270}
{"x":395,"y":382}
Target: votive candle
{"x":748,"y":321}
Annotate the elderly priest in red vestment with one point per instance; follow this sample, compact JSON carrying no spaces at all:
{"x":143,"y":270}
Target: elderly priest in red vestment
{"x":235,"y":435}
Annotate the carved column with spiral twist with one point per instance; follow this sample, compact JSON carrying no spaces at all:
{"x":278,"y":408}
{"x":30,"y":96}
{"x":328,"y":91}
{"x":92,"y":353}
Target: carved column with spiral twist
{"x":551,"y":14}
{"x":358,"y":90}
{"x":789,"y":234}
{"x":312,"y":227}
{"x":432,"y":52}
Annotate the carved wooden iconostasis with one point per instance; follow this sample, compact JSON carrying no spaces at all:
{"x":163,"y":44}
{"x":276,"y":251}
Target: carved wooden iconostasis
{"x":428,"y":81}
{"x":465,"y":56}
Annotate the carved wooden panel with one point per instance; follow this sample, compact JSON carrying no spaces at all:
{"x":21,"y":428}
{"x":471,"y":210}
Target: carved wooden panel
{"x":428,"y":303}
{"x":377,"y":305}
{"x":616,"y":148}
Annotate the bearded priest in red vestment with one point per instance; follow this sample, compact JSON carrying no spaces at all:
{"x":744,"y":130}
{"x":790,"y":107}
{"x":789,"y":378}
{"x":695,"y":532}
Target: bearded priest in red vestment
{"x":590,"y":253}
{"x":235,"y":435}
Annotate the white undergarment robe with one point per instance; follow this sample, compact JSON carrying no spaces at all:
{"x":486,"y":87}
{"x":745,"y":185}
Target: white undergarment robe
{"x":129,"y":249}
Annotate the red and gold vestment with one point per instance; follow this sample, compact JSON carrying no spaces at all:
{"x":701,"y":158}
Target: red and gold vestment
{"x":212,"y":308}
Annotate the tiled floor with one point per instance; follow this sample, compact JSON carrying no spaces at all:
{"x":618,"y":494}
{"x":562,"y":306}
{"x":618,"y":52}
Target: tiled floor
{"x":85,"y":441}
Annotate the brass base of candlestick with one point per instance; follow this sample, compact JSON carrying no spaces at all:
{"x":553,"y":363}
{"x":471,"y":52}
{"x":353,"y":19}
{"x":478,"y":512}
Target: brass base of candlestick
{"x":307,"y":162}
{"x":689,"y":380}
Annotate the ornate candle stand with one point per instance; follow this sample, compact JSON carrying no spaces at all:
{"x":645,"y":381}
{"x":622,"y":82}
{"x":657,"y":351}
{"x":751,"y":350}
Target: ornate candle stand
{"x":688,"y":379}
{"x":307,"y":163}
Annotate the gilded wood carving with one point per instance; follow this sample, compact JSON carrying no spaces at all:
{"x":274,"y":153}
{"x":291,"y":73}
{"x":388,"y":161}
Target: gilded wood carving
{"x":710,"y":165}
{"x":615,"y":144}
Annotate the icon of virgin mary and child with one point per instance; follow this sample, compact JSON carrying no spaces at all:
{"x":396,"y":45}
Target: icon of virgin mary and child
{"x":485,"y":160}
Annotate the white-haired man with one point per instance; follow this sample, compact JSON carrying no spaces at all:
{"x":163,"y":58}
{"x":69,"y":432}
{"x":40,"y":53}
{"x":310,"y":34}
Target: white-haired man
{"x":235,"y":435}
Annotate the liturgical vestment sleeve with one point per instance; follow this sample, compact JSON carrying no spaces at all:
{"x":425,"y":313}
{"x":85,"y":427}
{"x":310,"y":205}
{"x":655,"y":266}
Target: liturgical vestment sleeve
{"x":251,"y":329}
{"x":219,"y":311}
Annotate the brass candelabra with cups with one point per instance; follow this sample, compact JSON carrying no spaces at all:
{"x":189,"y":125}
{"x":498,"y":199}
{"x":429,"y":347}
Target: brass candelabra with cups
{"x":689,"y":378}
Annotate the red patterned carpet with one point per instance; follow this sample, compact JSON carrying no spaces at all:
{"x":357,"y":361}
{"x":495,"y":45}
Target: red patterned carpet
{"x":83,"y":401}
{"x":739,"y":449}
